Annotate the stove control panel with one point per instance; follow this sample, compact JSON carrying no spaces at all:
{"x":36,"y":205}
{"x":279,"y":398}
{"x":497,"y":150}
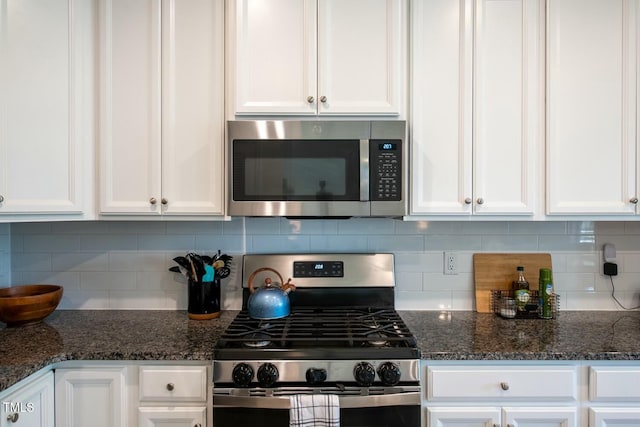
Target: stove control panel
{"x":318,"y":269}
{"x":268,"y":373}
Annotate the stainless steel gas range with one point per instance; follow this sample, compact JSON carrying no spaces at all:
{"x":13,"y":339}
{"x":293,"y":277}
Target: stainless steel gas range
{"x":342,"y":337}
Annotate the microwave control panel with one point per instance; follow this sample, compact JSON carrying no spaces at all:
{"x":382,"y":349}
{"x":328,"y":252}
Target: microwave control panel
{"x":385,"y":158}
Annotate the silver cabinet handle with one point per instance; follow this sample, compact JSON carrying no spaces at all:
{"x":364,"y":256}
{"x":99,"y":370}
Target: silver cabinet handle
{"x":1,"y":198}
{"x":170,"y":386}
{"x":198,"y":425}
{"x":480,"y":200}
{"x":504,"y":386}
{"x":12,"y":418}
{"x":323,"y":99}
{"x":164,"y":201}
{"x":633,"y":200}
{"x":310,"y":99}
{"x":153,"y":201}
{"x":467,"y":201}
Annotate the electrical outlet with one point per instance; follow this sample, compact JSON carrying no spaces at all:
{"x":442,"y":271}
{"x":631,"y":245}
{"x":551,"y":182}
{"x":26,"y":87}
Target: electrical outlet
{"x":450,"y":263}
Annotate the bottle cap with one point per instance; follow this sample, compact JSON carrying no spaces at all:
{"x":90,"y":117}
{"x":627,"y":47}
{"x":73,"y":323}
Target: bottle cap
{"x":545,"y":274}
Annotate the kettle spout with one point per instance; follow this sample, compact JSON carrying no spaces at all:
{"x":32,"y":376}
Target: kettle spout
{"x":288,"y":287}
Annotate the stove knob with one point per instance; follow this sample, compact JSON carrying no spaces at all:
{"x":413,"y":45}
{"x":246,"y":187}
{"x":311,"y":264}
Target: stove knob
{"x":316,"y":376}
{"x":242,"y":375}
{"x":364,"y":374}
{"x":267,"y":375}
{"x":389,"y":373}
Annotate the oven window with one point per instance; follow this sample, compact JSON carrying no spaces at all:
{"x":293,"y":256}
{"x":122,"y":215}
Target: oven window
{"x":384,"y":416}
{"x":296,"y":170}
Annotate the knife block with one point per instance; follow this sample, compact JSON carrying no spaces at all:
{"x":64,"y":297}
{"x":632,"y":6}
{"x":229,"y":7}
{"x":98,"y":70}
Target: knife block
{"x":203,"y":299}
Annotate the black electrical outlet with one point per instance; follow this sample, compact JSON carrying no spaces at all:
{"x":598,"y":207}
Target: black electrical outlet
{"x":610,"y":269}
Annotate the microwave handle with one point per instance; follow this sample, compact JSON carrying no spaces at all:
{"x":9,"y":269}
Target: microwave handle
{"x":364,"y":170}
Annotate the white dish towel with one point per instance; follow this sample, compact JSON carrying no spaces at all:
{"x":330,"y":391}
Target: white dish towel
{"x":314,"y":410}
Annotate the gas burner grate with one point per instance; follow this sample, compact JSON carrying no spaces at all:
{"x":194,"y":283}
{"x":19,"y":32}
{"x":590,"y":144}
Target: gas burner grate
{"x":325,"y":327}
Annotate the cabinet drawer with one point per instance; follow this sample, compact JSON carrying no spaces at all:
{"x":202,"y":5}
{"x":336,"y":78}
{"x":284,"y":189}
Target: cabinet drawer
{"x":502,"y":383}
{"x":173,"y":383}
{"x":614,"y":383}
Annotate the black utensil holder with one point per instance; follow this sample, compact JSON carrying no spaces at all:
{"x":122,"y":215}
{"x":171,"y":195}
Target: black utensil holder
{"x":203,"y":300}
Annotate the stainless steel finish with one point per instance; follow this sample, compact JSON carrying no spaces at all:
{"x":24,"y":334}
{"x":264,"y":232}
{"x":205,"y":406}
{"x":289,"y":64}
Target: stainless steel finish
{"x":364,"y":170}
{"x":633,"y":200}
{"x":294,"y":370}
{"x":468,"y":200}
{"x":170,"y":386}
{"x":153,"y":201}
{"x":361,"y":270}
{"x":164,"y":201}
{"x":480,"y":201}
{"x":362,"y":130}
{"x":349,"y":397}
{"x":504,"y":386}
{"x":323,"y":99}
{"x":310,"y":99}
{"x":12,"y":418}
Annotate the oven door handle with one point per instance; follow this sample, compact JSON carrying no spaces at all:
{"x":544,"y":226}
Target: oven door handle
{"x":346,"y":402}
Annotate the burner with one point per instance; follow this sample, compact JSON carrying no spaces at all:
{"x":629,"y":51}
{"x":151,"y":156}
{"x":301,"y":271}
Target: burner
{"x":256,"y":340}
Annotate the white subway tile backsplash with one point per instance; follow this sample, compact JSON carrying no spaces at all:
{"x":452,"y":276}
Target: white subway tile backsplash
{"x":124,"y":264}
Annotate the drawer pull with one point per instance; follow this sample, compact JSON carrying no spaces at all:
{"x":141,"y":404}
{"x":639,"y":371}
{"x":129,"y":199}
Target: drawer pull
{"x":12,"y":418}
{"x":170,"y":386}
{"x":504,"y":386}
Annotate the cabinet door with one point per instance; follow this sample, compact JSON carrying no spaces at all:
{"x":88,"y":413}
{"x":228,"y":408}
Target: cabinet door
{"x":360,"y":56}
{"x":30,"y":406}
{"x":540,"y":417}
{"x":272,"y":56}
{"x":488,"y":163}
{"x":174,"y":416}
{"x":442,"y":54}
{"x":130,"y":145}
{"x":91,"y":397}
{"x":46,"y":111}
{"x":192,"y":107}
{"x":614,"y":417}
{"x":508,"y":105}
{"x":463,"y":417}
{"x":591,"y":147}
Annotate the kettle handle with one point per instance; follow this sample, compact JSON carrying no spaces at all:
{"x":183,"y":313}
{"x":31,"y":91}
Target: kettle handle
{"x":253,"y":275}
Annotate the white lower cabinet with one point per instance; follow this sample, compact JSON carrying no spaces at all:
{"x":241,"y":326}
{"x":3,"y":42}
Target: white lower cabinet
{"x":184,"y":386}
{"x":130,"y":394}
{"x":91,"y":396}
{"x":29,"y":403}
{"x":614,"y":396}
{"x":507,"y":395}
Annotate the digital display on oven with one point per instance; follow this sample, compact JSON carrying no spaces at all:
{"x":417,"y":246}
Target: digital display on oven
{"x":318,"y":269}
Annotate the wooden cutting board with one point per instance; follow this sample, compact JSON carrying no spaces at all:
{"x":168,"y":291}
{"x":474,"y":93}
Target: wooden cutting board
{"x":492,"y":271}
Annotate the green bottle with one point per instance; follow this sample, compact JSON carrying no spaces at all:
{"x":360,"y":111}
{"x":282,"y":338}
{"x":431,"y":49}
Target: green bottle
{"x":545,"y":293}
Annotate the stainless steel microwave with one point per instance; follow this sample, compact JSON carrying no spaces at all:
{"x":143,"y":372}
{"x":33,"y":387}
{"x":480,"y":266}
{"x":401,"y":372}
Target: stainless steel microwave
{"x":312,"y":168}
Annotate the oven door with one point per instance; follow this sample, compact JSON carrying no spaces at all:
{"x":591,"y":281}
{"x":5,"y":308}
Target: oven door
{"x":400,"y":409}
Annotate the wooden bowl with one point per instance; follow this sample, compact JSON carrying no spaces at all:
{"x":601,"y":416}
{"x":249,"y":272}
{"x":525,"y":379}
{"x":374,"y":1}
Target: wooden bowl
{"x":24,"y":304}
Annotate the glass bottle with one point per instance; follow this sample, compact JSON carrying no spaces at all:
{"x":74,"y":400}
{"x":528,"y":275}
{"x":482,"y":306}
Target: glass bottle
{"x":521,"y":289}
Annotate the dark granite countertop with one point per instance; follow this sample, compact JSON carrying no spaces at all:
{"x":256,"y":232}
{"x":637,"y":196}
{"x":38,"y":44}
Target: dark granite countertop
{"x":171,"y":335}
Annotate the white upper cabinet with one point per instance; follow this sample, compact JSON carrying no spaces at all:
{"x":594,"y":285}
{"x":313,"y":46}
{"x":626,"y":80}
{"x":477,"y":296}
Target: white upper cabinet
{"x":477,"y":107}
{"x":310,"y":57}
{"x":592,"y":106}
{"x":162,"y":107}
{"x":46,"y":107}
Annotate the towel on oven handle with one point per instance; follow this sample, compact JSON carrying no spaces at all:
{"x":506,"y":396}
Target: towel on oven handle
{"x":314,"y":410}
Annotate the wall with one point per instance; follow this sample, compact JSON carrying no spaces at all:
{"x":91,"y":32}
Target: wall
{"x":5,"y":255}
{"x":110,"y":264}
